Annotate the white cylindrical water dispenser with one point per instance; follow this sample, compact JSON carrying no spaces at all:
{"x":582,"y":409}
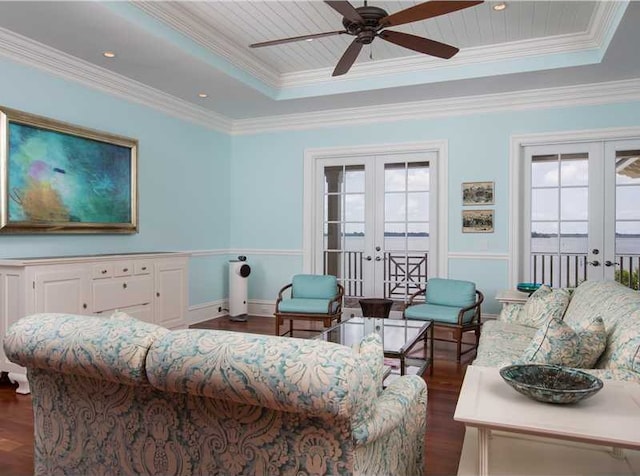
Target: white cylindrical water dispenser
{"x":239,"y":272}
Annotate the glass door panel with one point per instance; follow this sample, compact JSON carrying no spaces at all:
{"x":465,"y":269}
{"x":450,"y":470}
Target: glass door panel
{"x":344,"y":225}
{"x":625,"y":266}
{"x":404,"y":249}
{"x":560,"y":202}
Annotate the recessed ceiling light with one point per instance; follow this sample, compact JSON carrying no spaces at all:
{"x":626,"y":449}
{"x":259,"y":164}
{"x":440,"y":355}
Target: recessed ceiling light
{"x":203,"y":95}
{"x":109,"y":54}
{"x":498,"y":7}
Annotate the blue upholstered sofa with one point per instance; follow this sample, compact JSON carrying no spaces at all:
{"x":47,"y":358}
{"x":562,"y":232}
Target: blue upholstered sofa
{"x":120,"y":396}
{"x":506,"y":339}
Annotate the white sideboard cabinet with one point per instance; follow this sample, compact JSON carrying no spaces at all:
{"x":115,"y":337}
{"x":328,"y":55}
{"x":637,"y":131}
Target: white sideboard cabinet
{"x":149,"y":286}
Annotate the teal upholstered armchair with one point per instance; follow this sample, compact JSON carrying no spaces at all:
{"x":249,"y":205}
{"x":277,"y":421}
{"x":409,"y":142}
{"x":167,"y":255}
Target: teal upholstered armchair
{"x":452,"y":304}
{"x":309,"y":297}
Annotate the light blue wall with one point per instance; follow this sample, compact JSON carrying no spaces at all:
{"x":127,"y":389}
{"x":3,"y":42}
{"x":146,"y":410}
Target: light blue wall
{"x":183,"y":175}
{"x":204,"y":190}
{"x":267,"y":175}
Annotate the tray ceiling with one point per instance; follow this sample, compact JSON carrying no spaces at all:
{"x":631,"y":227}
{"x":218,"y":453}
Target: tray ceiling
{"x":181,"y":49}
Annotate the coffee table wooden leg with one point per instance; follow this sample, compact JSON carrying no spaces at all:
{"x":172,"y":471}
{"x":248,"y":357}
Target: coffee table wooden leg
{"x":483,"y":451}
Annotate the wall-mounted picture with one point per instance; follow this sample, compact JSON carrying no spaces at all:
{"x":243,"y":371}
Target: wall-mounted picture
{"x":60,"y":178}
{"x":477,"y":193}
{"x":477,"y":221}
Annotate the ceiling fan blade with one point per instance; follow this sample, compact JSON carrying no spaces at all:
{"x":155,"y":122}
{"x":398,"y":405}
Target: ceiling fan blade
{"x":348,"y":58}
{"x":346,"y":10}
{"x":425,"y":10}
{"x":296,"y":38}
{"x":419,"y":44}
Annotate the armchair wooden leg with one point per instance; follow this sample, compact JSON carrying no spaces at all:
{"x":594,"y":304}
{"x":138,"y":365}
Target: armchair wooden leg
{"x":458,"y":336}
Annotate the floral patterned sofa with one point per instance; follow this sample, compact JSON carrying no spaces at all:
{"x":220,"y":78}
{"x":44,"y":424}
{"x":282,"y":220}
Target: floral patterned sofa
{"x":120,"y":396}
{"x":532,"y":332}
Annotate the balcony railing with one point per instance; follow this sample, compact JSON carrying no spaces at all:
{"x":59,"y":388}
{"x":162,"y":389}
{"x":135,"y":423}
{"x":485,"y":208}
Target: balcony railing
{"x":570,"y":269}
{"x":403,"y":275}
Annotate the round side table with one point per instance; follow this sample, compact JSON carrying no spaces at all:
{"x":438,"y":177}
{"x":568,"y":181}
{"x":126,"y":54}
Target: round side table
{"x":375,"y":307}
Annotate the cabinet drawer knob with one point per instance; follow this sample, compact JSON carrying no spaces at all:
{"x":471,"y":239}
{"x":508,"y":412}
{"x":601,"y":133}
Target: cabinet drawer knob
{"x":84,"y":306}
{"x":124,"y":285}
{"x":124,"y":270}
{"x":144,"y":268}
{"x":104,"y":271}
{"x":157,"y":294}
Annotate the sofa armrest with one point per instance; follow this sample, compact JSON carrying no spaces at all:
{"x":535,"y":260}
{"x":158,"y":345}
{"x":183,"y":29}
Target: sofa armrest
{"x":510,"y":313}
{"x":402,"y":403}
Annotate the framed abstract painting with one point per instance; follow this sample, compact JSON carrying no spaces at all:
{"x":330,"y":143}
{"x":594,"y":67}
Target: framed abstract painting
{"x":61,"y":178}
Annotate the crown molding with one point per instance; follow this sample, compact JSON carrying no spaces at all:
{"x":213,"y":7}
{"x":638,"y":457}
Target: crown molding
{"x":565,"y":96}
{"x":38,"y":55}
{"x":174,"y":15}
{"x":516,"y":50}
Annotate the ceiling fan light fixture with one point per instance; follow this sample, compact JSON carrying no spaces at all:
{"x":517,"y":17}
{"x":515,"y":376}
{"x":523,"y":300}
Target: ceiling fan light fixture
{"x":498,"y":7}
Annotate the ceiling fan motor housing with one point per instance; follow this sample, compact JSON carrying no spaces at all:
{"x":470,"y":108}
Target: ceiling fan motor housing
{"x":366,"y":29}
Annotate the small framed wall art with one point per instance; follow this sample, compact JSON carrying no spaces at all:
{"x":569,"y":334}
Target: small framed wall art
{"x":61,"y":178}
{"x":477,"y":221}
{"x":477,"y":193}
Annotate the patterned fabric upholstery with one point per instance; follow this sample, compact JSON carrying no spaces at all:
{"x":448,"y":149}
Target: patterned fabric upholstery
{"x":502,"y":342}
{"x":118,"y":396}
{"x":555,"y":343}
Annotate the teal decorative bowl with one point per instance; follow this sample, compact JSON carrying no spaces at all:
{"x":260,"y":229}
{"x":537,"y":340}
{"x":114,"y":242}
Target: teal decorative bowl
{"x":528,"y":287}
{"x":551,"y":383}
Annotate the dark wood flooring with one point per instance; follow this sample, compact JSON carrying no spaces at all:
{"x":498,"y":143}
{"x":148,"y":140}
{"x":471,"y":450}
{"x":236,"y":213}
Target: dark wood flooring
{"x":443,"y":439}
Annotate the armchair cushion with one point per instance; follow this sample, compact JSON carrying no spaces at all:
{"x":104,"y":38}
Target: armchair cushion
{"x":307,"y":306}
{"x":312,"y":286}
{"x":450,"y":292}
{"x":436,"y":312}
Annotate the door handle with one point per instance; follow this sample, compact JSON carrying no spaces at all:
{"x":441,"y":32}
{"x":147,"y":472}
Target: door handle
{"x":608,"y":264}
{"x":594,"y":263}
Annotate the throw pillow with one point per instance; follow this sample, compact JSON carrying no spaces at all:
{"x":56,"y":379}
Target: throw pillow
{"x":543,"y":305}
{"x":555,"y":343}
{"x":592,"y":340}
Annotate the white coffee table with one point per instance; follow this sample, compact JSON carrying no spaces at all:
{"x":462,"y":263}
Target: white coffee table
{"x":609,"y":418}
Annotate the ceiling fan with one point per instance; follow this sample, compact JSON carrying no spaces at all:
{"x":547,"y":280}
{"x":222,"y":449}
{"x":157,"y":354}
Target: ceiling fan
{"x":366,"y":23}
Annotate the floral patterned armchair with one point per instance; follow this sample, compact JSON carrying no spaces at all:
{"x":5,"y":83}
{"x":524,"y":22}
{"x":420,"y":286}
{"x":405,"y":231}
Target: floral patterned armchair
{"x":119,"y":396}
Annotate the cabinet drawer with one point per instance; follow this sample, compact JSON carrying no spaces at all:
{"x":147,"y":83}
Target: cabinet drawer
{"x":142,"y":267}
{"x":121,"y":293}
{"x":102,"y":270}
{"x":122,"y":268}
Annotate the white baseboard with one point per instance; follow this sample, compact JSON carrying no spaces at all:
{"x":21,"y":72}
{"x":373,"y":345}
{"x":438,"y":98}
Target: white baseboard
{"x":261,"y":307}
{"x":208,"y":310}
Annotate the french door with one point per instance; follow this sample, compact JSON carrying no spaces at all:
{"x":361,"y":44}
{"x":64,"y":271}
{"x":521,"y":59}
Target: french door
{"x":583,"y":214}
{"x":375,"y":222}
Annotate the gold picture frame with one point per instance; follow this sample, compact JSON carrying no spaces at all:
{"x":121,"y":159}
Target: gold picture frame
{"x":62,"y":178}
{"x":477,"y":221}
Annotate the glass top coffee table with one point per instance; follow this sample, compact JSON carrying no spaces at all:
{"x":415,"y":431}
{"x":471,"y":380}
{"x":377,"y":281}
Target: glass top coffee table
{"x":399,"y":337}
